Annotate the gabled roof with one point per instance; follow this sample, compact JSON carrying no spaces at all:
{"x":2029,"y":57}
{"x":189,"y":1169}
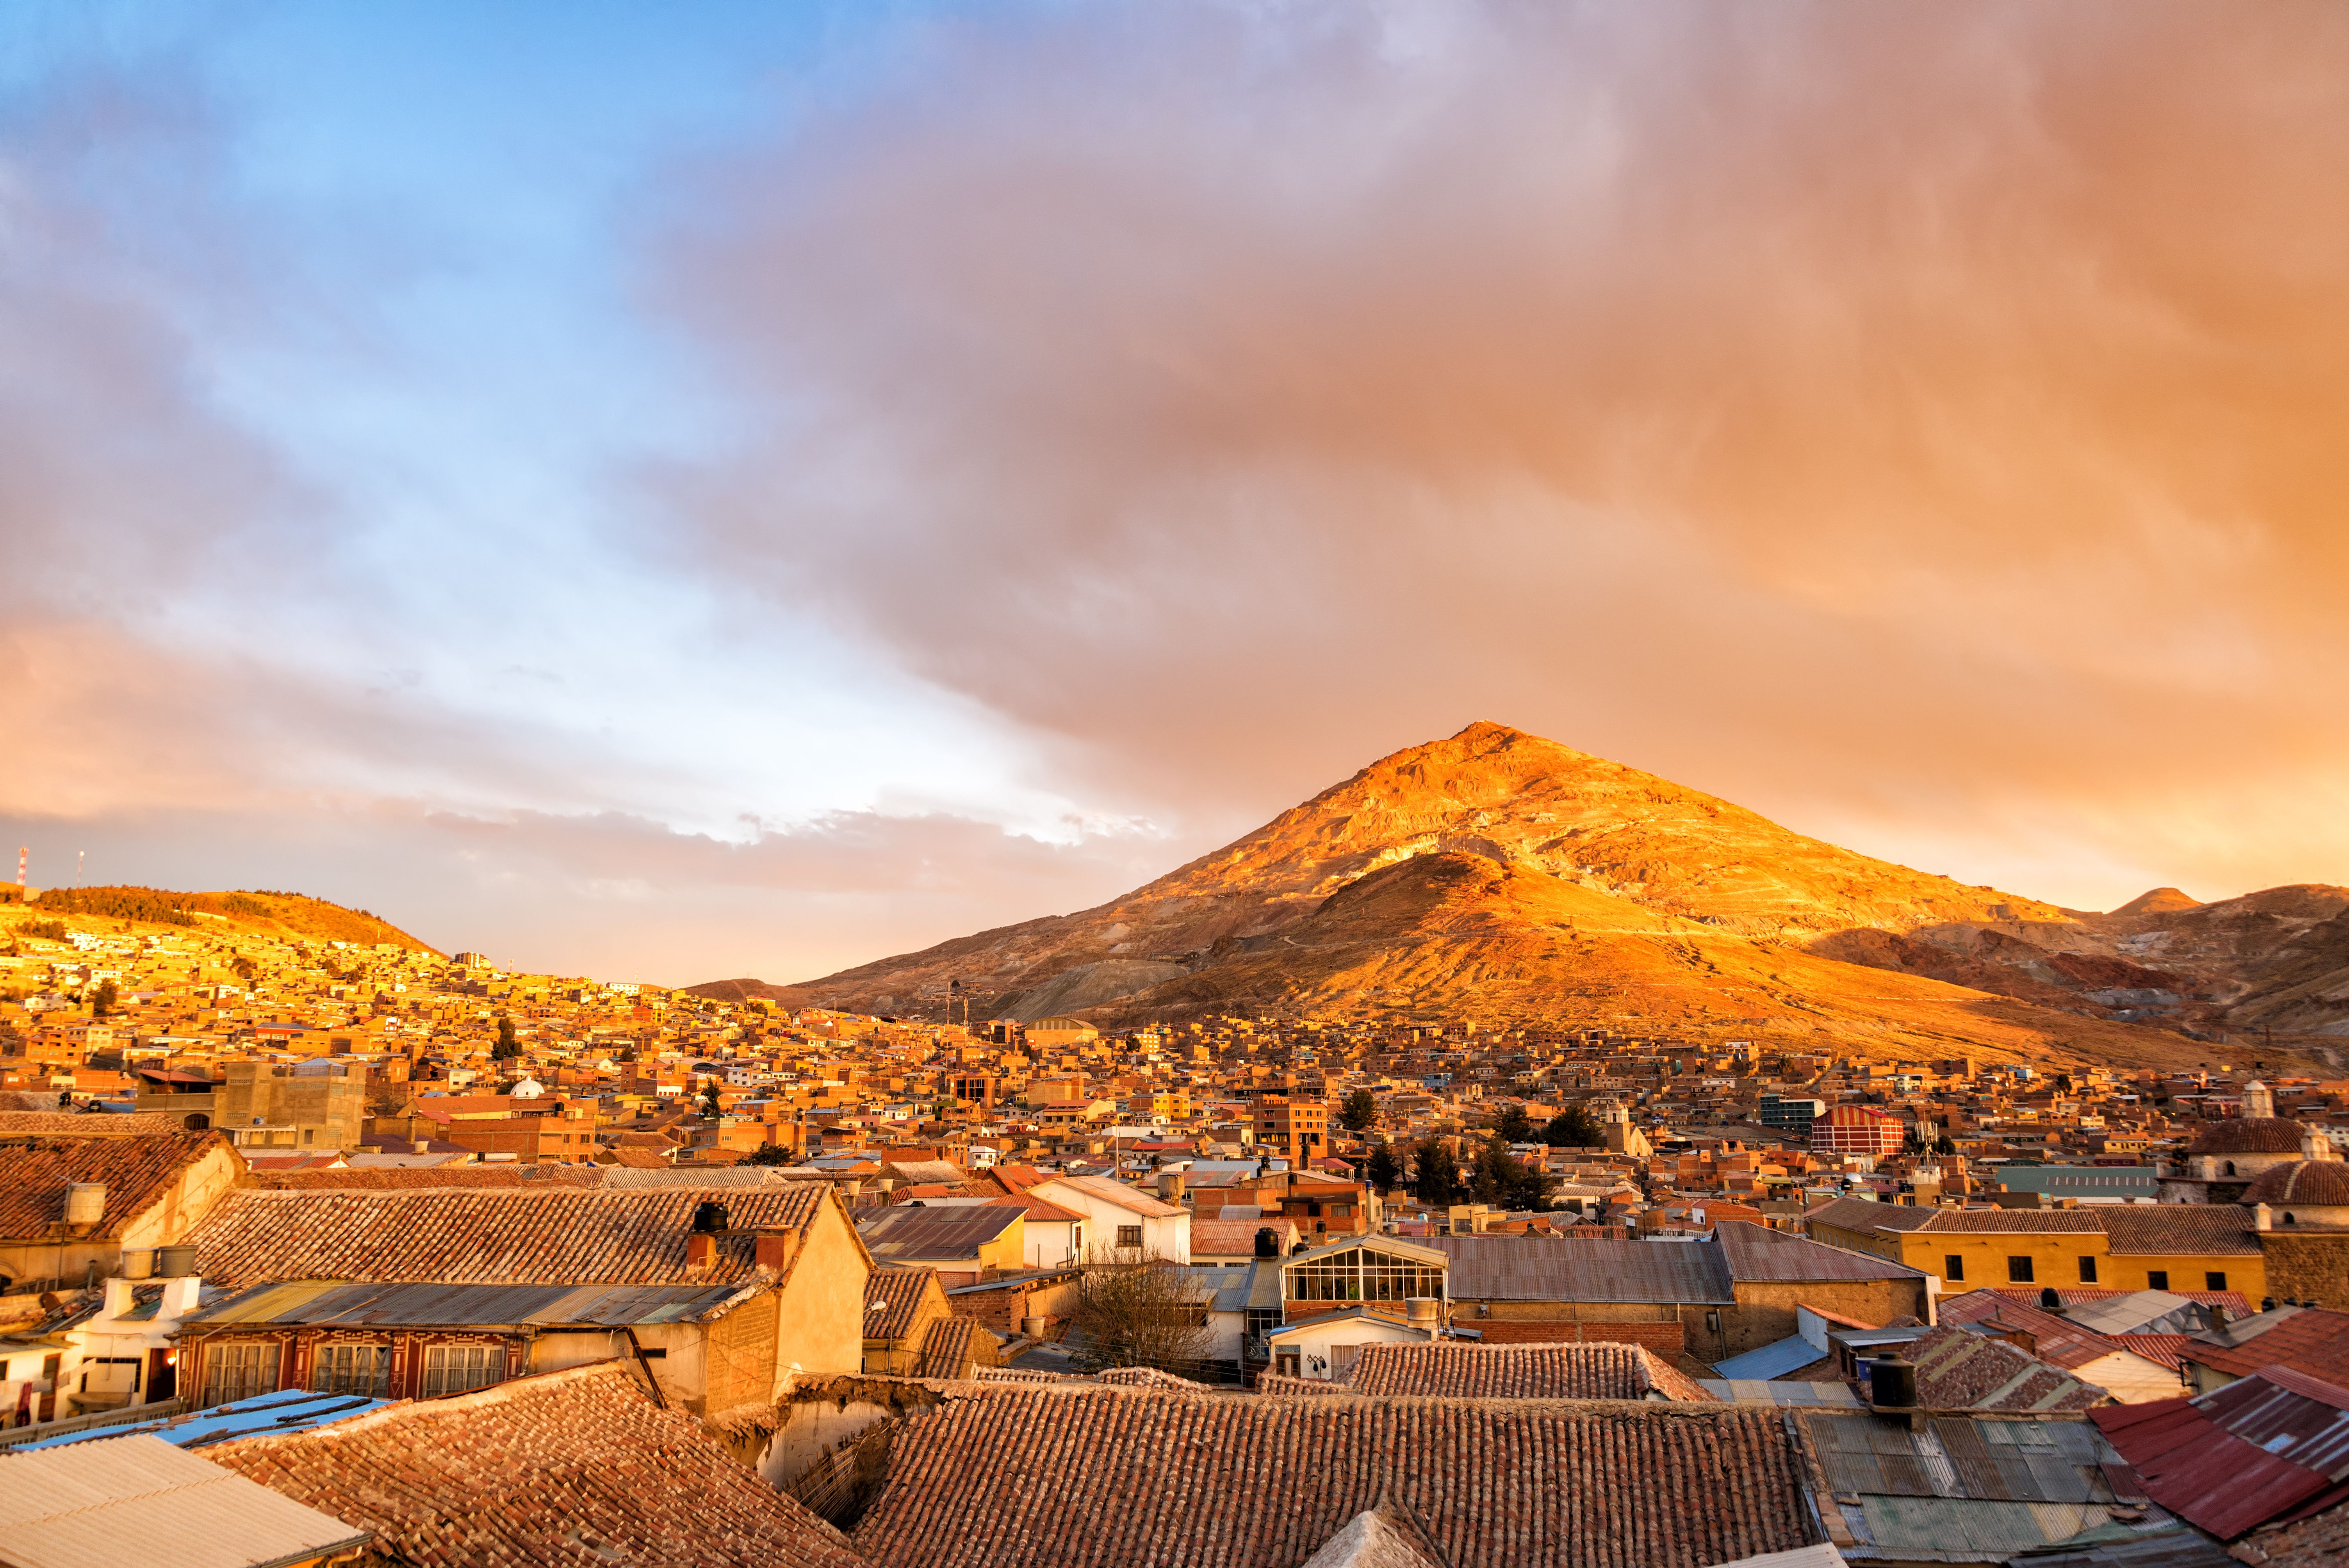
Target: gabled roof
{"x":1865,"y":1214}
{"x":2308,"y":1339}
{"x":541,"y":1235}
{"x":577,"y":1468}
{"x":1116,"y":1192}
{"x":1025,"y":1475}
{"x":1548,"y":1268}
{"x":1958,"y":1369}
{"x":898,"y":1293}
{"x":1578,"y":1371}
{"x":331,"y":1303}
{"x":137,"y":1172}
{"x":1757,"y":1253}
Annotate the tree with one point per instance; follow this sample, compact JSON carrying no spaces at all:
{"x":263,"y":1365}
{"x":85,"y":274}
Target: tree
{"x":1573,"y":1128}
{"x":1947,"y":1145}
{"x":507,"y":1047}
{"x":1132,"y":1312}
{"x":1516,"y":1126}
{"x":766,"y":1154}
{"x":1385,"y":1168}
{"x":710,"y":1106}
{"x":101,"y":1001}
{"x":1438,"y":1171}
{"x":1357,"y":1111}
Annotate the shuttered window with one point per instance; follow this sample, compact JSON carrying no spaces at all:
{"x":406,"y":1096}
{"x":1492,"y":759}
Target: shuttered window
{"x":456,"y":1368}
{"x":239,"y":1371}
{"x":352,"y":1369}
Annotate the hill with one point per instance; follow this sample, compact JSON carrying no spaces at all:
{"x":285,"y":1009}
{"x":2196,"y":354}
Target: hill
{"x":289,"y":914}
{"x":1499,"y":875}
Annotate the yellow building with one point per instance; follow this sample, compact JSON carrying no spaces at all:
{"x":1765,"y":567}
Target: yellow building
{"x":2133,"y":1246}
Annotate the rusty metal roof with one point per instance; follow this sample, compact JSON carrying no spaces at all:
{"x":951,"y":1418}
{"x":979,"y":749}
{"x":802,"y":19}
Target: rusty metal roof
{"x":1957,"y":1457}
{"x":323,"y":1302}
{"x":909,"y":1235}
{"x":2202,"y":1473}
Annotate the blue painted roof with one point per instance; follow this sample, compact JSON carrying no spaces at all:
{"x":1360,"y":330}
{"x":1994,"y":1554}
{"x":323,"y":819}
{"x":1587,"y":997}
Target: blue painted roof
{"x":1760,"y":1366}
{"x":287,"y":1410}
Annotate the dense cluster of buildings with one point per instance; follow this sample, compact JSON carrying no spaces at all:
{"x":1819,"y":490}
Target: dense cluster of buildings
{"x":424,"y":1261}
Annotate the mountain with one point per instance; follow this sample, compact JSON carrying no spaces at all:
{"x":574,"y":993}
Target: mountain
{"x":1498,"y":874}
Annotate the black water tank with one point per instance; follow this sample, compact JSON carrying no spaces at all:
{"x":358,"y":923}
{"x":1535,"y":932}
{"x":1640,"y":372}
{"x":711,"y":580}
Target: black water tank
{"x":2267,"y":1303}
{"x":709,"y":1217}
{"x":2050,"y":1300}
{"x":1892,"y":1382}
{"x":1268,"y":1243}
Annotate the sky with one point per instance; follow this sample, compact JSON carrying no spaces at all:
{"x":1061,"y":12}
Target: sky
{"x":675,"y":492}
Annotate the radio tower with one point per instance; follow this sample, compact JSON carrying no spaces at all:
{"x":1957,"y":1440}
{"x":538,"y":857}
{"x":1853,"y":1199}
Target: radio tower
{"x":21,"y":851}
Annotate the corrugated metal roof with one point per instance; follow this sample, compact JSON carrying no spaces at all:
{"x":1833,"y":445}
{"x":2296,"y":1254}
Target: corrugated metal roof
{"x":2171,"y":1546}
{"x":1781,"y":1391}
{"x":1540,"y":1268}
{"x":934,"y":1236}
{"x":1961,"y":1530}
{"x":2202,"y":1473}
{"x":287,"y":1410}
{"x":324,"y":1303}
{"x":1982,"y":1460}
{"x":2289,"y":1415}
{"x":1756,"y":1252}
{"x":139,"y":1500}
{"x":1770,"y":1360}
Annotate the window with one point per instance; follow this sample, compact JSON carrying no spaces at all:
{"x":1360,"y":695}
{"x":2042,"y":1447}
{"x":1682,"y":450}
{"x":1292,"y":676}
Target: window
{"x":1953,"y":1268}
{"x":2214,"y":1280}
{"x":110,"y":1374}
{"x":2088,"y":1271}
{"x":2157,"y":1279}
{"x":2230,"y":1168}
{"x":456,"y":1368}
{"x":1129,"y":1235}
{"x":2018,"y":1271}
{"x":239,"y":1371}
{"x":352,"y":1369}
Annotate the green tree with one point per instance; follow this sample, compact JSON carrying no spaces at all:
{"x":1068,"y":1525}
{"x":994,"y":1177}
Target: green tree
{"x":1438,"y":1173}
{"x":1357,"y":1111}
{"x":1947,"y":1145}
{"x":710,"y":1106}
{"x":1573,"y":1128}
{"x":102,"y":1000}
{"x":1515,"y":1126}
{"x":507,"y":1047}
{"x":766,"y":1154}
{"x":1385,"y":1168}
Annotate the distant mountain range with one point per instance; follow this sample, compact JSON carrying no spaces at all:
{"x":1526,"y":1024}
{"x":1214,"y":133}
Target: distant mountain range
{"x":1500,"y":875}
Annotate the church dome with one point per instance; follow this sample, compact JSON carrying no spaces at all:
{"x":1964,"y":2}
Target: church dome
{"x":2249,"y":1134}
{"x":2314,"y":1183}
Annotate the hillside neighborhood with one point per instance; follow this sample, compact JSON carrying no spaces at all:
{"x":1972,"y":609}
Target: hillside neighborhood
{"x":325,"y":1218}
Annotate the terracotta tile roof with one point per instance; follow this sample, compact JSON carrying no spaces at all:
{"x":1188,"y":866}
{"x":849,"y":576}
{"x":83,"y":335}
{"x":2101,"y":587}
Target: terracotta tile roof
{"x":135,"y":1172}
{"x":419,"y":1179}
{"x":2174,"y":1228}
{"x":900,"y":1291}
{"x":1585,"y":1371}
{"x":1237,"y":1238}
{"x":576,"y":1468}
{"x":1865,"y":1214}
{"x":1958,"y":1369}
{"x":89,"y":1124}
{"x":950,"y":1347}
{"x":557,"y":1235}
{"x":2057,"y":1341}
{"x":2162,"y":1349}
{"x":2249,"y":1134}
{"x":1038,"y":1209}
{"x":1036,"y":1476}
{"x":2319,"y":1541}
{"x":2312,"y":1340}
{"x":2009,"y":1222}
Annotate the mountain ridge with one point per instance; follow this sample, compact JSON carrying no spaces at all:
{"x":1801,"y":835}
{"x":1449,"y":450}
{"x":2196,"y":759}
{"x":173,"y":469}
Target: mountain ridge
{"x":1517,"y":840}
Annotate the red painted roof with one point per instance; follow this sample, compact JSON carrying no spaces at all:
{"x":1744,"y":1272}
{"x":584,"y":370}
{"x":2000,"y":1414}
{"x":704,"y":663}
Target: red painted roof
{"x":2202,"y":1473}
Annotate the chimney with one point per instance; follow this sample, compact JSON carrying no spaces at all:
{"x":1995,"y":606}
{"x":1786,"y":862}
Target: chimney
{"x":777,"y":1247}
{"x":117,"y":1300}
{"x":700,"y":1250}
{"x":180,"y":1296}
{"x":2263,"y":1217}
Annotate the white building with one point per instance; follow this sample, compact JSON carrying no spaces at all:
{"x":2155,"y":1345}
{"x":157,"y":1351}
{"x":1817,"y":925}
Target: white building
{"x":1120,"y":1221}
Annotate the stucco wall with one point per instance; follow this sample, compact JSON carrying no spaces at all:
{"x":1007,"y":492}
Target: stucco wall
{"x":821,"y":1322}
